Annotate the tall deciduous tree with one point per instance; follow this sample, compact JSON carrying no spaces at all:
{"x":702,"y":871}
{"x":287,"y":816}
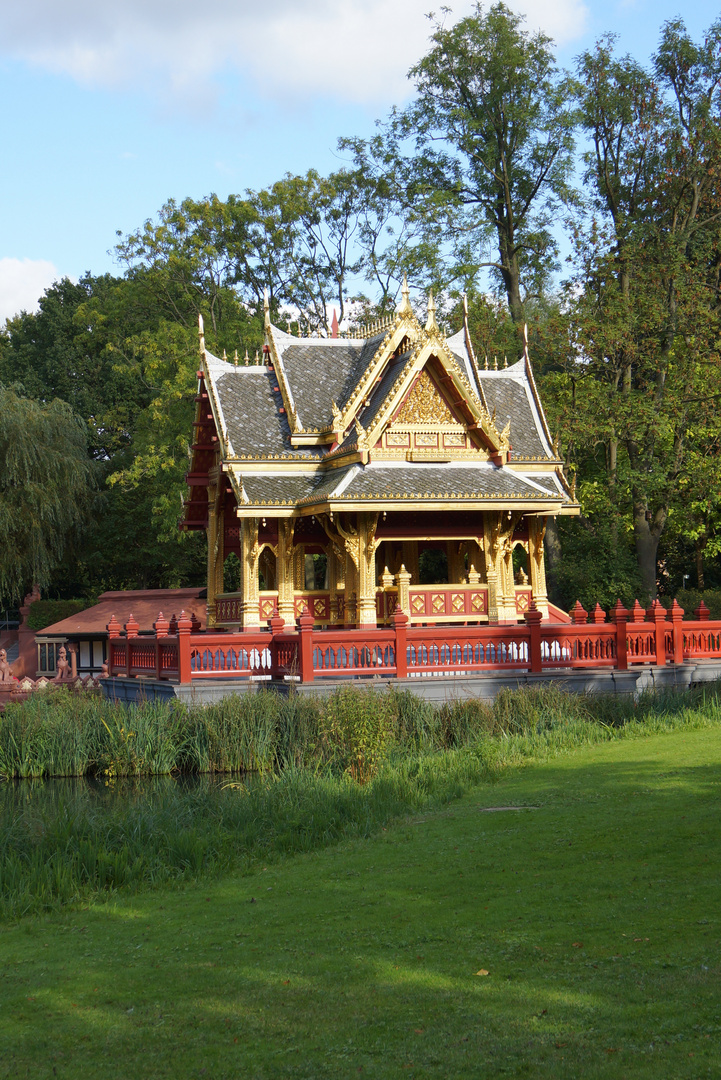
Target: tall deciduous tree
{"x":646,"y":324}
{"x":493,"y":137}
{"x":46,"y":488}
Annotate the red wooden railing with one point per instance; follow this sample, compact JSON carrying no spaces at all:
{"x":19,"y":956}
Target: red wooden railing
{"x":402,"y":649}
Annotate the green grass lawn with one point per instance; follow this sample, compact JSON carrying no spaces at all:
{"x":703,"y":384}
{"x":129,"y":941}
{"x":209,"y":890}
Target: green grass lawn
{"x":576,"y":939}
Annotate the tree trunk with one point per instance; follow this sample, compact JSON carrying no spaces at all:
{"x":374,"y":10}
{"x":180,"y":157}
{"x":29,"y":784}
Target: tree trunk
{"x":647,"y":535}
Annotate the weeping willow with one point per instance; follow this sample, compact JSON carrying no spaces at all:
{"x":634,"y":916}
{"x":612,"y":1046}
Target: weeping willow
{"x":46,"y":488}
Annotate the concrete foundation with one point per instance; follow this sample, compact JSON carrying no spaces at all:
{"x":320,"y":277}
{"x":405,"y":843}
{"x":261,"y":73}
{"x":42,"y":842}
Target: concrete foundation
{"x":437,"y":689}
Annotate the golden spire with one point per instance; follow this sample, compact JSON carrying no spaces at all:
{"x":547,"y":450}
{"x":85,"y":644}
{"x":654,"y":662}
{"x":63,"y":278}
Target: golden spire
{"x":225,"y":356}
{"x":495,"y":363}
{"x":266,"y":309}
{"x":235,"y":358}
{"x":431,"y":325}
{"x":405,"y":307}
{"x":201,"y":334}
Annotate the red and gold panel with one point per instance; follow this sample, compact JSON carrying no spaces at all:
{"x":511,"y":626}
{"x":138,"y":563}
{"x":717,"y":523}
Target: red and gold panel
{"x":266,"y":606}
{"x":523,"y":600}
{"x":318,"y":605}
{"x":455,"y":603}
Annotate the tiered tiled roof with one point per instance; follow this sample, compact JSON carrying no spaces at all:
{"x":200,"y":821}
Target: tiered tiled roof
{"x":305,"y":431}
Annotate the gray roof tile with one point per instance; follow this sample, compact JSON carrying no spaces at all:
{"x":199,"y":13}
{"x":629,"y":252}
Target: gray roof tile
{"x":510,"y":400}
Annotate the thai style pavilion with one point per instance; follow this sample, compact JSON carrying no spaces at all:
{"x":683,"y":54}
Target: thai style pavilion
{"x":371,"y":451}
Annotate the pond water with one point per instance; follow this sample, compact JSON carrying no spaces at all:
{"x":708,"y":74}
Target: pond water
{"x":19,"y":796}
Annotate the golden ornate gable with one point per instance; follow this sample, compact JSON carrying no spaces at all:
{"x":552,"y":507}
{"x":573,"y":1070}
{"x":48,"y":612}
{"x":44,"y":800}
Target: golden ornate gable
{"x":424,"y":404}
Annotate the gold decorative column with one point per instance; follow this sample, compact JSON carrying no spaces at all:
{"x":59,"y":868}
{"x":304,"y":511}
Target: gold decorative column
{"x":284,"y":571}
{"x":536,"y":562}
{"x":403,"y":581}
{"x":367,"y":612}
{"x":498,"y":544}
{"x":213,"y":539}
{"x":351,"y":591}
{"x":250,"y":552}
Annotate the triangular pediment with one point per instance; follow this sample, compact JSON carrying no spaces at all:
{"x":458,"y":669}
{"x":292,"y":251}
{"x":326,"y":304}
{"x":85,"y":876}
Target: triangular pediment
{"x":424,"y":404}
{"x":426,"y":388}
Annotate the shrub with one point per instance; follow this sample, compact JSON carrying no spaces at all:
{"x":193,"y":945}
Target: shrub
{"x":356,"y":729}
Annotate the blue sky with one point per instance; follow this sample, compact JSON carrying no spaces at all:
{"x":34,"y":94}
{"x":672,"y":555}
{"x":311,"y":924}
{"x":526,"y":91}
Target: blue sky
{"x":108,"y":110}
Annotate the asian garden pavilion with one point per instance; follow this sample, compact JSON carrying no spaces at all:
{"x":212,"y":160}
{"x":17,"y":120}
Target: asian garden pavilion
{"x":371,"y":450}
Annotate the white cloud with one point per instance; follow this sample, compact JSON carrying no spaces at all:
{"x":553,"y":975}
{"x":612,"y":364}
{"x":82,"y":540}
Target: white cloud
{"x":22,"y":283}
{"x":347,"y":50}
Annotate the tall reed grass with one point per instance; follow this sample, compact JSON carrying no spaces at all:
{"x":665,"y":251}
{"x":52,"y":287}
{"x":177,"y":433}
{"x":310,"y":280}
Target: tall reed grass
{"x":62,"y":734}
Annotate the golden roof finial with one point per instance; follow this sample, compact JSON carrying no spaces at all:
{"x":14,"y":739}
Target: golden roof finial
{"x":505,"y":361}
{"x":201,"y":334}
{"x":361,"y":435}
{"x":405,"y":307}
{"x":486,"y":364}
{"x":235,"y":358}
{"x":266,"y":309}
{"x":225,"y":356}
{"x":495,"y":363}
{"x":431,"y":325}
{"x":257,"y":357}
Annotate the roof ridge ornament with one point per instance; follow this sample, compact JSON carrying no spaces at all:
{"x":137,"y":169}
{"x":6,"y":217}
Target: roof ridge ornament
{"x":362,"y":435}
{"x":266,"y":309}
{"x":405,"y":305}
{"x":431,"y":325}
{"x":201,"y":334}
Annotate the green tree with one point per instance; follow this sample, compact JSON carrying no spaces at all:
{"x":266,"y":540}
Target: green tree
{"x":644,"y":362}
{"x":47,"y":485}
{"x":492,"y":133}
{"x":55,"y":353}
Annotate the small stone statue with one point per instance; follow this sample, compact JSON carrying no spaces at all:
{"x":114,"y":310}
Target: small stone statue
{"x":5,"y":673}
{"x":63,"y":666}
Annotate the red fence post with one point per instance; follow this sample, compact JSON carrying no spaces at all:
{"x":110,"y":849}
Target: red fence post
{"x":533,"y":620}
{"x":131,"y":632}
{"x":113,"y":629}
{"x":399,"y":622}
{"x":619,"y":616}
{"x":305,"y":625}
{"x":676,"y":617}
{"x":657,"y":615}
{"x":579,"y":616}
{"x":184,"y":628}
{"x":702,"y":612}
{"x":161,"y":627}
